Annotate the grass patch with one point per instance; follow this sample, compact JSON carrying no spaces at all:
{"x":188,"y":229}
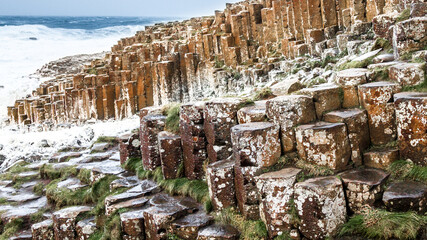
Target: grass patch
{"x":107,"y":139}
{"x":38,"y":216}
{"x":11,"y":228}
{"x":381,"y":43}
{"x":356,"y":64}
{"x":311,"y":171}
{"x":48,"y":172}
{"x":406,"y":170}
{"x":111,"y":227}
{"x":317,"y":81}
{"x":219,"y":63}
{"x":14,"y":170}
{"x":249,"y":229}
{"x":3,"y":201}
{"x":283,"y":161}
{"x":418,"y":88}
{"x":39,"y":188}
{"x":246,"y":102}
{"x":404,"y":15}
{"x":262,"y":94}
{"x":380,"y":224}
{"x":171,"y":111}
{"x":380,"y":74}
{"x":84,"y":175}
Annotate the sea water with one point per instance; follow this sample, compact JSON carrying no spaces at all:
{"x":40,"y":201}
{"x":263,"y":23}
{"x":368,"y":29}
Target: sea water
{"x":27,"y":43}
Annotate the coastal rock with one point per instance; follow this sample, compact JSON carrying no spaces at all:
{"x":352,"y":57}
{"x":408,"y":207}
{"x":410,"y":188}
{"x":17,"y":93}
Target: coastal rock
{"x":220,"y":178}
{"x":406,"y":196}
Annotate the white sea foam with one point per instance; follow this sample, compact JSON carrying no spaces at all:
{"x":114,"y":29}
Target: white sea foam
{"x":20,"y":56}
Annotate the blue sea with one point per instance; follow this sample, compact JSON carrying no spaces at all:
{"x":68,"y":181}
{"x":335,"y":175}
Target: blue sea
{"x":27,"y":43}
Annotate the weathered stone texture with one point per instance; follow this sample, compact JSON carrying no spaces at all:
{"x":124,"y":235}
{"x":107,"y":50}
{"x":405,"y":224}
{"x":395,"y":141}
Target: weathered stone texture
{"x":218,"y":232}
{"x":406,"y":196}
{"x":409,"y":35}
{"x":408,"y":74}
{"x":321,"y":206}
{"x":364,"y":187}
{"x":275,"y":191}
{"x":64,"y":221}
{"x":381,"y":158}
{"x":356,"y":121}
{"x":151,"y":125}
{"x":129,"y":146}
{"x":43,"y":230}
{"x":377,"y":99}
{"x":170,"y":154}
{"x":326,"y":98}
{"x":411,"y":118}
{"x":256,"y":113}
{"x":288,"y":112}
{"x":324,"y":144}
{"x":256,"y":144}
{"x":349,"y":80}
{"x":220,"y":178}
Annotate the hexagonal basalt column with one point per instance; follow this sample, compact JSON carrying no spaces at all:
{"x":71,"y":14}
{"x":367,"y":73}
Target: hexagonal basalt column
{"x":377,"y":99}
{"x":193,"y":139}
{"x":158,"y":218}
{"x":218,"y":232}
{"x":256,"y":144}
{"x":356,"y":121}
{"x":321,"y":206}
{"x":220,"y":116}
{"x":349,"y":79}
{"x":411,"y":118}
{"x":381,"y":158}
{"x":64,"y":221}
{"x":363,"y":187}
{"x":275,"y":191}
{"x":256,"y":113}
{"x":288,"y":112}
{"x":406,"y":196}
{"x":408,"y":74}
{"x":170,"y":154}
{"x":326,"y":98}
{"x":324,"y":144}
{"x":85,"y":228}
{"x":409,"y":35}
{"x":246,"y":191}
{"x":133,"y":224}
{"x":151,"y":125}
{"x":129,"y":147}
{"x":220,"y":178}
{"x":188,"y":227}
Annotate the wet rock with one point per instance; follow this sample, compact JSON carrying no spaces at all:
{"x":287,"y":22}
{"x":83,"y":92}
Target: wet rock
{"x":256,"y":144}
{"x":408,"y":74}
{"x":129,"y":146}
{"x":22,"y":213}
{"x":381,"y":26}
{"x":326,"y":98}
{"x":126,"y":182}
{"x":383,"y":58}
{"x":22,"y":235}
{"x":104,"y":169}
{"x":246,"y":191}
{"x":321,"y":206}
{"x":220,"y":178}
{"x":170,"y":154}
{"x":324,"y":144}
{"x":288,"y":112}
{"x":72,"y":184}
{"x":220,"y":115}
{"x":193,"y":139}
{"x":42,"y":230}
{"x":409,"y":36}
{"x":377,"y":99}
{"x":364,"y":187}
{"x":381,"y":158}
{"x":256,"y":113}
{"x":406,"y":196}
{"x":356,"y":121}
{"x":133,"y":223}
{"x":188,"y":227}
{"x":64,"y":221}
{"x":22,"y":197}
{"x":100,"y":147}
{"x":85,"y":228}
{"x":158,"y":218}
{"x":411,"y":118}
{"x":218,"y":232}
{"x":151,"y":125}
{"x":65,"y":157}
{"x":132,"y":203}
{"x":349,"y":79}
{"x":275,"y":191}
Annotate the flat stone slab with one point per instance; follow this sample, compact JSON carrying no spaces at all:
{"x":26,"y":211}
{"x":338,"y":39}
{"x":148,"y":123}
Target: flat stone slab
{"x":18,"y":213}
{"x":125,"y":182}
{"x":72,"y":184}
{"x":100,"y":147}
{"x":63,"y":157}
{"x":31,"y":174}
{"x":188,"y":227}
{"x":85,"y":228}
{"x":22,"y":197}
{"x":22,"y":235}
{"x":381,"y":158}
{"x":36,"y":165}
{"x":218,"y":232}
{"x":406,"y":196}
{"x":133,"y":203}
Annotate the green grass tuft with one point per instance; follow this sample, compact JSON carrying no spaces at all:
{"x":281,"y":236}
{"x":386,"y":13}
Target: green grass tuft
{"x":381,"y":43}
{"x":311,"y":171}
{"x":380,"y":224}
{"x":262,"y":94}
{"x":39,"y":188}
{"x":48,"y":172}
{"x":249,"y":229}
{"x":405,"y":170}
{"x":171,"y":112}
{"x":356,"y":64}
{"x":107,"y":139}
{"x":11,"y":228}
{"x":418,"y":88}
{"x":84,"y":175}
{"x":404,"y":15}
